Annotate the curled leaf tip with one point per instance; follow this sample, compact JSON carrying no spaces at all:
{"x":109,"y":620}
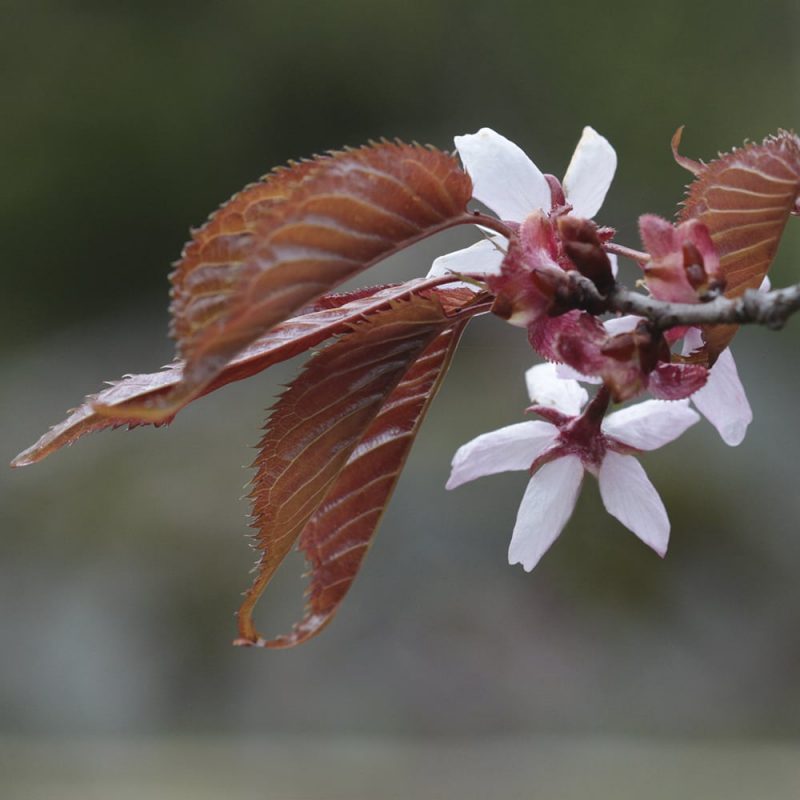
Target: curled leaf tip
{"x":243,"y":642}
{"x":695,"y":167}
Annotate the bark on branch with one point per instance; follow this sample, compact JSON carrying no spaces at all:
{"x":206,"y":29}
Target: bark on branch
{"x":771,"y":309}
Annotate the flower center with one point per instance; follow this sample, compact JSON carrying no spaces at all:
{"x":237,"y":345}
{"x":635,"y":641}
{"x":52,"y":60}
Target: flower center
{"x":579,"y":436}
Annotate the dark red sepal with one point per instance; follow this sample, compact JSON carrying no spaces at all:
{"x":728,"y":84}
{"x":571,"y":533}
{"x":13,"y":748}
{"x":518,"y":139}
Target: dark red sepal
{"x":677,"y":381}
{"x":628,"y":362}
{"x":530,"y":275}
{"x":583,"y":247}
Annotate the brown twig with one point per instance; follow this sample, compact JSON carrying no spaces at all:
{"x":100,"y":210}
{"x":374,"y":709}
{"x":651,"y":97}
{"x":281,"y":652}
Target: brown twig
{"x":771,"y":309}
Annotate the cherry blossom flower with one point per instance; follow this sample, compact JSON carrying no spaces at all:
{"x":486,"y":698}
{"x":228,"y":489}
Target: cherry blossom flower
{"x":511,"y":185}
{"x":722,"y":401}
{"x":684,"y":263}
{"x":559,"y":449}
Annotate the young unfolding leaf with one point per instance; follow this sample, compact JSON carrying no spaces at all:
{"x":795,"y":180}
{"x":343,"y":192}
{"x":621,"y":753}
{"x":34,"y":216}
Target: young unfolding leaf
{"x":155,"y":398}
{"x":320,"y":420}
{"x":744,"y":198}
{"x":338,"y":536}
{"x":278,"y":245}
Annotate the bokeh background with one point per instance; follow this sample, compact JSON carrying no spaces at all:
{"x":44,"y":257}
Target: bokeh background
{"x":604,"y":673}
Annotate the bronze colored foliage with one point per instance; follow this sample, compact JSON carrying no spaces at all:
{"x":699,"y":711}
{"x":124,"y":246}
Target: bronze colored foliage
{"x":297,"y":235}
{"x":338,"y":536}
{"x":315,"y":449}
{"x":156,"y":397}
{"x":744,"y":198}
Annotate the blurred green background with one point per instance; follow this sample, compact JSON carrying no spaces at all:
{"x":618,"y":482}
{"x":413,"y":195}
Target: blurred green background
{"x":605,"y":672}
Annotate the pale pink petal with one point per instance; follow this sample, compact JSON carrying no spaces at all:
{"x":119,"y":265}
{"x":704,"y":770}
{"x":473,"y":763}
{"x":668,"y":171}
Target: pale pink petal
{"x":651,"y":424}
{"x":482,"y":258}
{"x":658,"y":236}
{"x":695,"y":232}
{"x":503,"y":177}
{"x":513,"y":447}
{"x":545,"y":509}
{"x":723,"y":402}
{"x":546,"y":388}
{"x":629,"y":496}
{"x":589,"y":173}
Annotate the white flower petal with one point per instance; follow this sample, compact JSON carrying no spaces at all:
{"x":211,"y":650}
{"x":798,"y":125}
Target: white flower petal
{"x":590,"y":173}
{"x":481,"y":258}
{"x":692,"y":340}
{"x":629,"y":496}
{"x":513,"y":447}
{"x":545,"y":509}
{"x":766,"y":285}
{"x":566,"y":372}
{"x":546,"y":388}
{"x":723,"y":402}
{"x":503,"y":177}
{"x":651,"y":424}
{"x":612,"y":257}
{"x":625,"y":324}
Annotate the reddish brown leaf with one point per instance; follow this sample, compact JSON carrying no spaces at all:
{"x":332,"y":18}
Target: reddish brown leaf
{"x":338,"y":536}
{"x":243,"y":210}
{"x":155,"y":398}
{"x":320,"y":420}
{"x":305,"y":230}
{"x":327,"y":317}
{"x":744,"y":198}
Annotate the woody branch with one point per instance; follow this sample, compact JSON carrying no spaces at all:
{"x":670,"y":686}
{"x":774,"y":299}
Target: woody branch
{"x":771,"y":309}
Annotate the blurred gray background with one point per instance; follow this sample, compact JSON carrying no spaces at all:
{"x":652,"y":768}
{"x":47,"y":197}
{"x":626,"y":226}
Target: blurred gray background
{"x":604,"y":673}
